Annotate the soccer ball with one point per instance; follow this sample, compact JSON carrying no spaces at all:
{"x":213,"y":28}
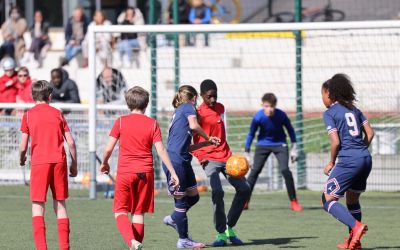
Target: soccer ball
{"x":237,"y":166}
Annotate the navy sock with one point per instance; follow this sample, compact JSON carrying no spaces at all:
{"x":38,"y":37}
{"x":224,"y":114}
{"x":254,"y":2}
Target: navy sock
{"x":180,"y":217}
{"x":355,"y":210}
{"x":191,"y":201}
{"x":338,"y":211}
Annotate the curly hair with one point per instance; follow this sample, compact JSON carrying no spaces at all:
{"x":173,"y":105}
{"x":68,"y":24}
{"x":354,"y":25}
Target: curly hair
{"x":341,"y":90}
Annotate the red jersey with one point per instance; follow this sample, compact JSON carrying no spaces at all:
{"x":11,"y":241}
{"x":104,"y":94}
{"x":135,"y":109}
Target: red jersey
{"x":46,"y":126}
{"x":136,"y":133}
{"x":212,"y":122}
{"x":24,"y":91}
{"x":8,"y":94}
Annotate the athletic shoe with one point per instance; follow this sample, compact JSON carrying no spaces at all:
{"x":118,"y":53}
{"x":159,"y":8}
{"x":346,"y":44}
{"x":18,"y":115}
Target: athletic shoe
{"x":358,"y":231}
{"x":170,"y":222}
{"x":246,"y":205}
{"x":189,"y":243}
{"x":295,"y":206}
{"x":345,"y":244}
{"x":136,"y":245}
{"x":221,"y":240}
{"x":230,"y":233}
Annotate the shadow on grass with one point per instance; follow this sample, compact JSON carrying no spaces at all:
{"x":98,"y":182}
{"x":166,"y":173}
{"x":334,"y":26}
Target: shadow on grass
{"x":278,"y":241}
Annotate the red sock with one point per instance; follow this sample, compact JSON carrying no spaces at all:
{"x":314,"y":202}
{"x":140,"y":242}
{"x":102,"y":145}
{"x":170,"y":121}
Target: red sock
{"x":138,"y":231}
{"x":124,"y":227}
{"x":63,"y":233}
{"x":39,"y":232}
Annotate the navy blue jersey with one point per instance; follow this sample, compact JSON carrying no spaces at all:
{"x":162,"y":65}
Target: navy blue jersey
{"x":349,"y":125}
{"x":180,"y":134}
{"x":271,"y":132}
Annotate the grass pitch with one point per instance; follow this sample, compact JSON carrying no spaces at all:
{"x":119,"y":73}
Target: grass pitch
{"x":269,"y":224}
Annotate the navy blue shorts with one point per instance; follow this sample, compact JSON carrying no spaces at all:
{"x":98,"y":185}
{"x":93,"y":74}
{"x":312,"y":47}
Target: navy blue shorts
{"x":349,"y":174}
{"x":184,"y":171}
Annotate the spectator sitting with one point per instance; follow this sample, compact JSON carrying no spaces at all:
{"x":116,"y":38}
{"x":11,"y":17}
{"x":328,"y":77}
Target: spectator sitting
{"x":8,"y":83}
{"x":111,"y":87}
{"x":64,"y":89}
{"x":24,"y":83}
{"x":103,"y":40}
{"x":200,"y":14}
{"x":183,"y":15}
{"x":128,"y":41}
{"x":12,"y":32}
{"x":75,"y":32}
{"x":40,"y":40}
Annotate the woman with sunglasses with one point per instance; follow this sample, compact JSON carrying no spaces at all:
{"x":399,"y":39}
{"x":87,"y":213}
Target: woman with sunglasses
{"x":24,"y":83}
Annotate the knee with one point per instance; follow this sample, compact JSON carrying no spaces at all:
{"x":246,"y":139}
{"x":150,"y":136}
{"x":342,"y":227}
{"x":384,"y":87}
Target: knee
{"x":286,"y":173}
{"x":327,"y":201}
{"x":218,"y":194}
{"x":181,"y":203}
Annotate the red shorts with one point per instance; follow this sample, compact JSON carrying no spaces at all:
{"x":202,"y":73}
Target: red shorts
{"x":134,"y":194}
{"x":49,"y":174}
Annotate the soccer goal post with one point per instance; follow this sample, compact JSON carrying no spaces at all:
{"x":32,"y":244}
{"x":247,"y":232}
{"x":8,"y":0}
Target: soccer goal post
{"x":247,"y":60}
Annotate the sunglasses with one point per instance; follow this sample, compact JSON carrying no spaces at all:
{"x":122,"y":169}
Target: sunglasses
{"x":23,"y":75}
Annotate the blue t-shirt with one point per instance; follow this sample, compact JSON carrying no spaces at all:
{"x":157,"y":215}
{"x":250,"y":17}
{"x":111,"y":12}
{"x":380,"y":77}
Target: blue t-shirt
{"x":271,"y":132}
{"x":349,"y":125}
{"x":180,"y":134}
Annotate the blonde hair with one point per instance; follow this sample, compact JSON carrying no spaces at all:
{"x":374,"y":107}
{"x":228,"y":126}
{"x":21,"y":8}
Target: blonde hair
{"x":184,"y":95}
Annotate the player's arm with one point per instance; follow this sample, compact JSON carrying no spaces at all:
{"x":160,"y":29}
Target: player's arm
{"x":250,"y":136}
{"x":199,"y":145}
{"x":163,"y":154}
{"x":23,"y":147}
{"x":195,"y":126}
{"x":292,"y":135}
{"x":335,"y":144}
{"x":369,"y":133}
{"x":105,"y":167}
{"x":73,"y":169}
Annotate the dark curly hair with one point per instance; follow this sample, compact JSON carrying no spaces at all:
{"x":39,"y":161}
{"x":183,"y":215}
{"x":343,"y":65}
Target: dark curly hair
{"x":341,"y":90}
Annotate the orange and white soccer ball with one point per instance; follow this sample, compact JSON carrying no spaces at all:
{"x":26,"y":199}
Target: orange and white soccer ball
{"x":237,"y":166}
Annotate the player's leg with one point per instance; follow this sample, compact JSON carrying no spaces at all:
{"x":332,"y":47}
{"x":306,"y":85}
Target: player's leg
{"x":212,"y":171}
{"x":282,"y":155}
{"x":242,"y":194}
{"x":142,"y":195}
{"x":122,"y":206}
{"x":41,"y":176}
{"x":260,"y":157}
{"x":353,"y":200}
{"x":39,"y":227}
{"x":59,"y":188}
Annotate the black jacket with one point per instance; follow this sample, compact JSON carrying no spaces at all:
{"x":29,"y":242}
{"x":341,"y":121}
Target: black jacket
{"x":67,"y":91}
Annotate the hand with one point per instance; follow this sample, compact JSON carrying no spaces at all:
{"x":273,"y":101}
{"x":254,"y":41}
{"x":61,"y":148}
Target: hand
{"x":328,"y":168}
{"x":73,"y":169}
{"x":204,"y":163}
{"x":22,"y":161}
{"x":175,"y":181}
{"x":72,"y":42}
{"x":105,"y":168}
{"x":197,"y":21}
{"x":214,"y":140}
{"x":9,"y":83}
{"x":293,"y":153}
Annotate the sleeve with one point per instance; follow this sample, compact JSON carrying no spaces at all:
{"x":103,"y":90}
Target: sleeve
{"x":189,"y":110}
{"x":73,"y":93}
{"x":329,"y":123}
{"x":116,"y":129}
{"x":289,"y":128}
{"x":362,"y":118}
{"x":192,"y":16}
{"x":157,"y":133}
{"x":24,"y":124}
{"x":207,"y":16}
{"x":250,"y":136}
{"x":65,"y":124}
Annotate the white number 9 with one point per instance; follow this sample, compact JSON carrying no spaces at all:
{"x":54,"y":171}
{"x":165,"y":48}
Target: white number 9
{"x":352,"y":123}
